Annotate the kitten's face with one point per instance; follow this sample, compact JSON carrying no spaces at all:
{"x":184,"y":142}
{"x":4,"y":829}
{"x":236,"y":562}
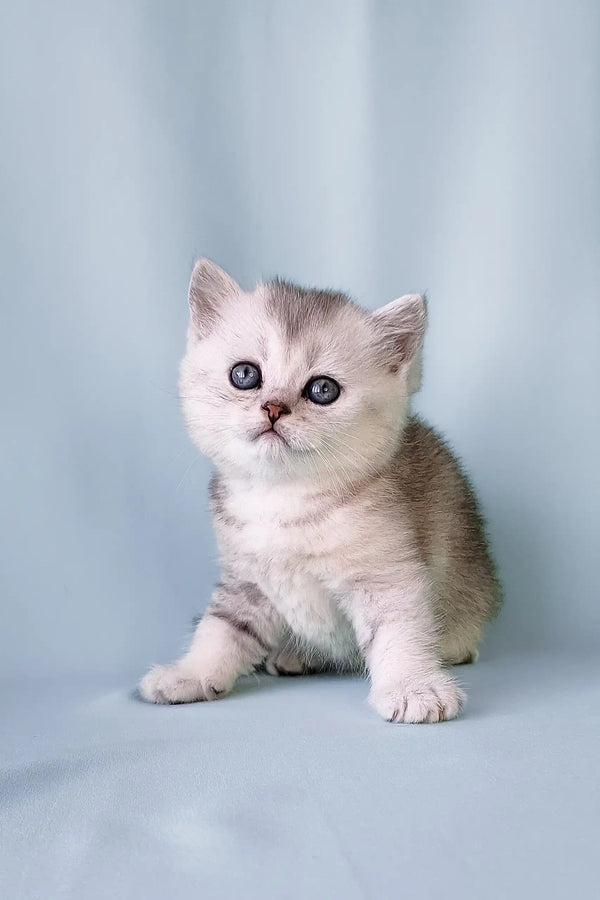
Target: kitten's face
{"x":287,"y":382}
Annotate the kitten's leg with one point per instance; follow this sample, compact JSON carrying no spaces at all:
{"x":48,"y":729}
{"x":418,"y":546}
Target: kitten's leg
{"x":462,"y":659}
{"x":397,"y":635}
{"x":238,"y":631}
{"x":285,"y":661}
{"x":289,"y":659}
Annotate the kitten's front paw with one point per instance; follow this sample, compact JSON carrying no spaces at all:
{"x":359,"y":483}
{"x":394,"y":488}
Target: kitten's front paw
{"x":174,"y":684}
{"x":433,"y":699}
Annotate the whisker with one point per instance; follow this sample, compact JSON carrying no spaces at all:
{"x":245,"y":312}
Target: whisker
{"x":187,"y":471}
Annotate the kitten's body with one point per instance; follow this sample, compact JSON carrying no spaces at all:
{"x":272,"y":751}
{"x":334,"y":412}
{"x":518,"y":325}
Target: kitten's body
{"x":354,"y":538}
{"x":305,"y":549}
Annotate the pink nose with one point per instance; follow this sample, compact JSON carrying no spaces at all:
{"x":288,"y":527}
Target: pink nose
{"x":275,"y":410}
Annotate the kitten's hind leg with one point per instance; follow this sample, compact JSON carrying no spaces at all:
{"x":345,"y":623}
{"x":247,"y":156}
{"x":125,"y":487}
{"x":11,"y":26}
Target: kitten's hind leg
{"x":289,"y":659}
{"x":464,"y":659}
{"x":459,"y":648}
{"x":285,"y":662}
{"x":238,"y":631}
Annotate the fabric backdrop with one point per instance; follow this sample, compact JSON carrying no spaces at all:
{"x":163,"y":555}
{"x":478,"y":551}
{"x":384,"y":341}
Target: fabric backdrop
{"x":379,"y":147}
{"x":382,"y":148}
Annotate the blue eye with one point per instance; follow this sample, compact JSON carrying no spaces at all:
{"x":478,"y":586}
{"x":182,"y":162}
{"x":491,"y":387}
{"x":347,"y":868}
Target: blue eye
{"x":322,"y":390}
{"x":245,"y":376}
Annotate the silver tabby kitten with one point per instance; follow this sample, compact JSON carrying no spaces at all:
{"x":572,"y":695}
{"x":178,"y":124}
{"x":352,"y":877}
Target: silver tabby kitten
{"x":349,"y":536}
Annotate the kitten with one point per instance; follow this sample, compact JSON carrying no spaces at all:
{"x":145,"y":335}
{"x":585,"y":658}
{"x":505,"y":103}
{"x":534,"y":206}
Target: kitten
{"x":349,"y":536}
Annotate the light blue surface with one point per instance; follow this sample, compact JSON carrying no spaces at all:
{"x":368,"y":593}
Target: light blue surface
{"x":293,"y":788}
{"x":378,"y":147}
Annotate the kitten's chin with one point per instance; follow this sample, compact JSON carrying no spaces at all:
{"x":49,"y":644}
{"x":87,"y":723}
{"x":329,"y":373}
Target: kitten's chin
{"x":271,"y":445}
{"x":254,"y":454}
{"x":267,"y":437}
{"x":271,"y":454}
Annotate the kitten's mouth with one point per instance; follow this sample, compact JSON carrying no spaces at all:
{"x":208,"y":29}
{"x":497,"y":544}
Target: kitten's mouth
{"x":270,"y":435}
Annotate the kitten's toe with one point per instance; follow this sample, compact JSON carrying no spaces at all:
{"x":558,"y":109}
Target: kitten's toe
{"x":172,"y":684}
{"x":434,"y":699}
{"x":287,"y":662}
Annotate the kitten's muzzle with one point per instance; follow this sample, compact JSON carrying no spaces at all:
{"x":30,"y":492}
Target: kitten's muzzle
{"x":274,"y":410}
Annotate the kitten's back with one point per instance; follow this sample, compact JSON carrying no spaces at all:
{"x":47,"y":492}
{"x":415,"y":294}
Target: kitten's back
{"x":450,"y":534}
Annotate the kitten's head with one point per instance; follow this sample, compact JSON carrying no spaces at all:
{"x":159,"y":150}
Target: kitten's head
{"x":287,"y":382}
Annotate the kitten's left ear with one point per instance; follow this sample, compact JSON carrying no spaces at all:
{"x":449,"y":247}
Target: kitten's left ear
{"x":401,"y":325}
{"x":210,"y":287}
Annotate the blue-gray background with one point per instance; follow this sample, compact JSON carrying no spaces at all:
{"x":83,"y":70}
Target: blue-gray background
{"x":378,"y":147}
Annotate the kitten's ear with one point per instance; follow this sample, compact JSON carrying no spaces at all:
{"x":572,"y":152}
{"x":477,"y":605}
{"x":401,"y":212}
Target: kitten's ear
{"x":210,"y":287}
{"x":401,"y":325}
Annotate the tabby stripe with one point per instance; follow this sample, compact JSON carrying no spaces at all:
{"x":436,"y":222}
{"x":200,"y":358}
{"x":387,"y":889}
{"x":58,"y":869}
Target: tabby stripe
{"x":240,"y":625}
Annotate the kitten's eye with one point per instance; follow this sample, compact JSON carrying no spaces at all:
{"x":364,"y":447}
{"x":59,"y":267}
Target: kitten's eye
{"x":245,"y":376}
{"x":322,"y":390}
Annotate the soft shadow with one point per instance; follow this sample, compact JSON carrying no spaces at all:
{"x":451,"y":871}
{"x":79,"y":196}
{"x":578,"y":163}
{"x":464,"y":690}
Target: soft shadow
{"x":527,"y":682}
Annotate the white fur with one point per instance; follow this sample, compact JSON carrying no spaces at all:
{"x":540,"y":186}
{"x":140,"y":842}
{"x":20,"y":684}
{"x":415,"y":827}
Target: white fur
{"x":307,"y":523}
{"x":210,"y":668}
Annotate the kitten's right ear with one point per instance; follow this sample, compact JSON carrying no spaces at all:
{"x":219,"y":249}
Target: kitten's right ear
{"x":210,"y":287}
{"x":402,"y":326}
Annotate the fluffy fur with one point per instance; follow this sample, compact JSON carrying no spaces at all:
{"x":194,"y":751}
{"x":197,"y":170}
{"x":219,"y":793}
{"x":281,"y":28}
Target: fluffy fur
{"x":349,"y":536}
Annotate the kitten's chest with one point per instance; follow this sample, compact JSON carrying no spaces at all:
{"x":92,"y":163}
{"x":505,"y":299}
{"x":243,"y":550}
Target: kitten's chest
{"x":283,"y":529}
{"x":283,"y":542}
